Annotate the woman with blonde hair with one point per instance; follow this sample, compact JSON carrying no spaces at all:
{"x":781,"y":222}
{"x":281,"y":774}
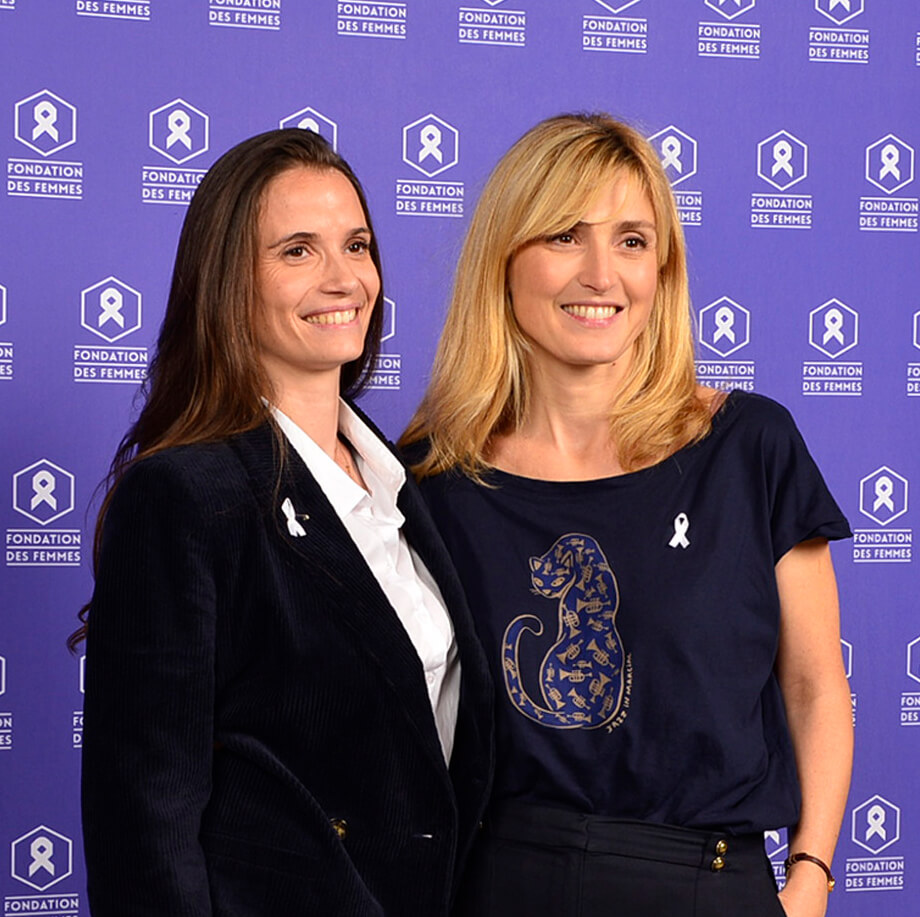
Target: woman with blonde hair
{"x":646,"y":559}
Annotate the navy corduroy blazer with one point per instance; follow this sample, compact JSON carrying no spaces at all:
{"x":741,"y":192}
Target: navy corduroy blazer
{"x":258,"y":738}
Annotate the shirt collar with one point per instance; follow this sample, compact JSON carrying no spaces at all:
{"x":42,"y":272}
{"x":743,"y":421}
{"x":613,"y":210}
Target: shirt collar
{"x":382,"y":472}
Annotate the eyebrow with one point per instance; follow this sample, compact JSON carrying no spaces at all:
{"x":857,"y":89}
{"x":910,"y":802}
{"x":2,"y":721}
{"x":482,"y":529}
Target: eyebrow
{"x":304,"y":236}
{"x":623,"y":225}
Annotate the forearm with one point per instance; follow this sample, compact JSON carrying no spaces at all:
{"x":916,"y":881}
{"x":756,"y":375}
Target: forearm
{"x":817,"y":698}
{"x":821,"y":726}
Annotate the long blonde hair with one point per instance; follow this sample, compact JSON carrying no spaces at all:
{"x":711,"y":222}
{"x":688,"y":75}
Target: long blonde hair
{"x":480,"y":383}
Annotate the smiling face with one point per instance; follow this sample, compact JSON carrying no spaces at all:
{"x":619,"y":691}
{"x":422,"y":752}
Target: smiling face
{"x":582,"y":297}
{"x":315,"y":281}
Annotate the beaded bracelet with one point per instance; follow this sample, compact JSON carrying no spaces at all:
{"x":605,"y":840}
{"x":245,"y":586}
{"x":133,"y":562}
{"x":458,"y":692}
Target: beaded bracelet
{"x":797,"y":857}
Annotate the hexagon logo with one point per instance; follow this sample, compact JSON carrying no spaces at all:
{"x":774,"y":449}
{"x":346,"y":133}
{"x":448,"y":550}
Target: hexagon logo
{"x":725,"y":326}
{"x":876,"y":824}
{"x":494,"y":2}
{"x":883,"y":495}
{"x":2,"y":675}
{"x":678,"y":153}
{"x":614,"y":7}
{"x":913,"y":659}
{"x":45,"y":122}
{"x":43,"y":492}
{"x":309,"y":119}
{"x":430,"y":145}
{"x":840,"y":11}
{"x":917,"y":329}
{"x":42,"y":858}
{"x":3,"y":304}
{"x":782,"y":160}
{"x":389,"y":320}
{"x":833,"y":328}
{"x":179,"y":131}
{"x":731,"y":9}
{"x":890,"y":163}
{"x":776,"y":844}
{"x":83,"y":674}
{"x":847,"y":649}
{"x":111,"y":309}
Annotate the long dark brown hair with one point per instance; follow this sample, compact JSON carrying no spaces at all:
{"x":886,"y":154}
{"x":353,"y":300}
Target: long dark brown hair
{"x":206,"y":381}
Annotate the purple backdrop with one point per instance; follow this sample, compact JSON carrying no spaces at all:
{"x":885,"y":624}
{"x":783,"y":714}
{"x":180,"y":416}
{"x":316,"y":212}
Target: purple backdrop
{"x":788,"y":128}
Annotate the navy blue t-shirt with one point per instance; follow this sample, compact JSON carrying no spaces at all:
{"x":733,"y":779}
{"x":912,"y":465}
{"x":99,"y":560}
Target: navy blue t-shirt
{"x":631,"y":623}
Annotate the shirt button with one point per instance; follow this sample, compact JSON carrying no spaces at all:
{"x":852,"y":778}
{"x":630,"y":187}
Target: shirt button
{"x":340,"y":826}
{"x":721,"y":847}
{"x":717,"y":864}
{"x":429,"y":677}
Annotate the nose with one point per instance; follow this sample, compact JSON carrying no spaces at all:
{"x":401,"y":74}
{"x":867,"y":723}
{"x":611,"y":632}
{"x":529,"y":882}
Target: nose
{"x":598,"y":270}
{"x":339,"y":274}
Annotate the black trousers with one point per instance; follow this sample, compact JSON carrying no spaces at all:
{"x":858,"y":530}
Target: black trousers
{"x":535,"y":861}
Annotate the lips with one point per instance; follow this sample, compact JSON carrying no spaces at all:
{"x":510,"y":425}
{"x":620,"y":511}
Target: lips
{"x":332,"y":317}
{"x":592,"y":313}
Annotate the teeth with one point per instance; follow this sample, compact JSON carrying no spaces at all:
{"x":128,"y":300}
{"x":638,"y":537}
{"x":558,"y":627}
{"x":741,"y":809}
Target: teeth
{"x":593,"y":313}
{"x":333,"y":318}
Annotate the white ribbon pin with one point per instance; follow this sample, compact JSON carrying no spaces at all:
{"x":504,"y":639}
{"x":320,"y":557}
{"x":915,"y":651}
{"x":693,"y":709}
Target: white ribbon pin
{"x":295,"y":529}
{"x":679,"y":538}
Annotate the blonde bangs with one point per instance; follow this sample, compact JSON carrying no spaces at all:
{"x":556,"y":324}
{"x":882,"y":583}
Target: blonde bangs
{"x":480,"y":382}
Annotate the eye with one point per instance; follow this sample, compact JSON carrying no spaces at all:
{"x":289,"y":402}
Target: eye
{"x":635,"y":243}
{"x":563,"y":238}
{"x":296,"y":251}
{"x":359,"y":246}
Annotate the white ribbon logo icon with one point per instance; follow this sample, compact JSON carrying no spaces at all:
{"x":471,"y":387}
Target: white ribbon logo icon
{"x":431,"y":143}
{"x":179,"y":124}
{"x":46,"y":115}
{"x":891,"y":157}
{"x":782,"y":158}
{"x":844,"y":3}
{"x":833,"y":325}
{"x":722,"y":2}
{"x":42,"y":850}
{"x":875,"y":823}
{"x":884,"y":488}
{"x":295,"y":529}
{"x":43,"y":484}
{"x":681,"y":526}
{"x":672,"y":148}
{"x":111,"y":302}
{"x":309,"y":124}
{"x":725,"y":323}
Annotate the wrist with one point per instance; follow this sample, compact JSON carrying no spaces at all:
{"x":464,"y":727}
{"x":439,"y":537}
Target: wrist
{"x":813,"y":862}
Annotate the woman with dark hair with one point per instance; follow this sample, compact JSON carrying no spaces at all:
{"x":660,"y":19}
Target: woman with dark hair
{"x":645,"y":558}
{"x":281,"y":717}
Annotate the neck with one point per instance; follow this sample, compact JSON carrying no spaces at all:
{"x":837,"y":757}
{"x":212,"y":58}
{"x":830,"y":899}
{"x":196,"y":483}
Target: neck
{"x":314,"y":406}
{"x":566,"y":434}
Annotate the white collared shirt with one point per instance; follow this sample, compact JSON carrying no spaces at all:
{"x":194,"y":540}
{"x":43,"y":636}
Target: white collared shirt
{"x":374,"y":522}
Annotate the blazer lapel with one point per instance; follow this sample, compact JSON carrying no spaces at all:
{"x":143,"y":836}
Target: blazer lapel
{"x":325,"y":557}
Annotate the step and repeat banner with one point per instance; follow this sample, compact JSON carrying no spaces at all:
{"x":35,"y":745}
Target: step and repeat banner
{"x":789,"y":129}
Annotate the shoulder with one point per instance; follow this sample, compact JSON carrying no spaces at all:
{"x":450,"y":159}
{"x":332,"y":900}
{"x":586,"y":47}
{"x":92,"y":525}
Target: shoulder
{"x":201,"y":478}
{"x":754,"y":415}
{"x":415,"y":453}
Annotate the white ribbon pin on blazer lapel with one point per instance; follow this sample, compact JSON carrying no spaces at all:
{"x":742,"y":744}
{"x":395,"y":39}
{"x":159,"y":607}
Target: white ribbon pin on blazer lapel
{"x":295,"y":529}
